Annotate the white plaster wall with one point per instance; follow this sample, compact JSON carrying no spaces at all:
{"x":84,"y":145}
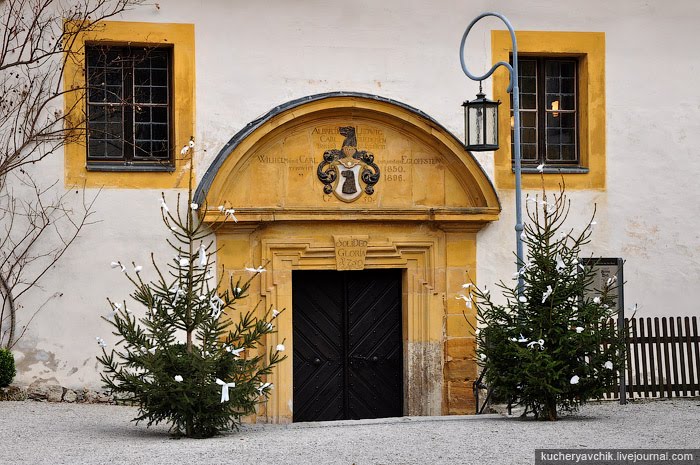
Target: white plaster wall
{"x":252,"y":56}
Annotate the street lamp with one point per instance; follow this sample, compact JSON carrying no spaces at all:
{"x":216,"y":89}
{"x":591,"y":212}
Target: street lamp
{"x":492,"y":129}
{"x":481,"y":123}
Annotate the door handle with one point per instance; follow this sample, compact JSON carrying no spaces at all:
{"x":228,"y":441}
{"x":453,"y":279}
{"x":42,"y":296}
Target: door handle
{"x":375,"y":359}
{"x":317,"y":361}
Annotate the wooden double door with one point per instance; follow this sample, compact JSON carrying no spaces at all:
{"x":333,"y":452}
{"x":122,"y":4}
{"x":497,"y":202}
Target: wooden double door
{"x":348,"y":351}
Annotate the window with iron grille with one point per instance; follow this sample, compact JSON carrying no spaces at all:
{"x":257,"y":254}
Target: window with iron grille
{"x":129,"y":108}
{"x":548,"y":111}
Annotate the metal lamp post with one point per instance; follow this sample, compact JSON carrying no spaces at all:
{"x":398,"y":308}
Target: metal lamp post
{"x":493,"y":144}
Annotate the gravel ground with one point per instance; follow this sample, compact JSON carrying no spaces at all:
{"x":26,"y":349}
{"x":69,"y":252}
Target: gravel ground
{"x":74,"y":434}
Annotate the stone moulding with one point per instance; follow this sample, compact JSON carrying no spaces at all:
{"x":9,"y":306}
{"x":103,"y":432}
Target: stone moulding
{"x":421,"y":218}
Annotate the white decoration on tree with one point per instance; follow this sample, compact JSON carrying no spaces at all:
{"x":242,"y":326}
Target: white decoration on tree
{"x":546,"y":293}
{"x":263,"y":387}
{"x":202,"y":256}
{"x":224,"y":389}
{"x":259,"y":269}
{"x":114,"y":265}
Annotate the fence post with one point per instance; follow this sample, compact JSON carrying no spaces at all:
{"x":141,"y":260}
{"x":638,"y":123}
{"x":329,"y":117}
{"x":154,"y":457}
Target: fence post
{"x":621,"y":326}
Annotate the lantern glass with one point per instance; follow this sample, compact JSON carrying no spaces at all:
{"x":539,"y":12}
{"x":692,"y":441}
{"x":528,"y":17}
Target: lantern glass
{"x":481,"y":124}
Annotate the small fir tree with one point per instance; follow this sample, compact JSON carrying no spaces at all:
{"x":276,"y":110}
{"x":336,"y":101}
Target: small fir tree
{"x":185,"y":362}
{"x":549,"y":347}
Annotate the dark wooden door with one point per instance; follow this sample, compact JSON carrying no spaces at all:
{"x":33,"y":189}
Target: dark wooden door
{"x":348,"y":352}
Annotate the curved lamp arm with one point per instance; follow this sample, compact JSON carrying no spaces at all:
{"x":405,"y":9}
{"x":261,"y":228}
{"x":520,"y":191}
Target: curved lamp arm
{"x":511,"y":72}
{"x":512,"y":89}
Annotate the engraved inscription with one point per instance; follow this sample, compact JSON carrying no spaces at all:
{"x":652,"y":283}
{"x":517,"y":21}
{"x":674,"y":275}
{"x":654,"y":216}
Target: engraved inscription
{"x":350,"y":252}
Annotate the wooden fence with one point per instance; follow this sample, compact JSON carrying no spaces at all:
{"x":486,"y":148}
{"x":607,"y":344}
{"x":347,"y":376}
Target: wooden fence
{"x":663,"y":358}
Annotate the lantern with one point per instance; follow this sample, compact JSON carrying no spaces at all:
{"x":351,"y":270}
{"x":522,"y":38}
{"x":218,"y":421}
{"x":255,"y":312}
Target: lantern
{"x":481,"y":123}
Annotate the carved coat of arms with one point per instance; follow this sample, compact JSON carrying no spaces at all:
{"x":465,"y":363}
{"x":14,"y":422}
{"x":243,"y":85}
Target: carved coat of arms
{"x":342,"y":169}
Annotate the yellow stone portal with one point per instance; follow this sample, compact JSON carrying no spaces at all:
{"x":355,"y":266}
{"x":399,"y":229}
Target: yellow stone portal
{"x":421,"y":216}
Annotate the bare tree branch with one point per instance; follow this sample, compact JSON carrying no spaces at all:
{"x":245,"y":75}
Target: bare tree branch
{"x":39,"y":222}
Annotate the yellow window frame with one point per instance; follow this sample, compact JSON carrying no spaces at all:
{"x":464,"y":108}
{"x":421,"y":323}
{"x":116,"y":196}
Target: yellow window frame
{"x":120,"y":33}
{"x":589,"y":49}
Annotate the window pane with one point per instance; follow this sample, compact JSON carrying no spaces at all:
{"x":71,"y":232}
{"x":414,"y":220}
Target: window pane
{"x":568,"y":102}
{"x":553,"y":137}
{"x":158,"y":59}
{"x":528,"y":85}
{"x":114,"y":114}
{"x":113,"y":131}
{"x":142,"y":114}
{"x":528,"y":135}
{"x":159,"y":95}
{"x":113,"y":94}
{"x":568,"y":68}
{"x":553,"y":120}
{"x":568,"y":120}
{"x":143,"y":149}
{"x":96,"y":148}
{"x":159,"y":77}
{"x":96,"y":113}
{"x":553,"y":85}
{"x":114,"y":149}
{"x":142,"y":77}
{"x":159,"y":132}
{"x":160,"y":150}
{"x":529,"y":152}
{"x":96,"y":130}
{"x":528,"y":101}
{"x":568,"y":85}
{"x":553,"y":152}
{"x":113,"y":77}
{"x":551,"y":68}
{"x":568,"y":136}
{"x":143,"y":132}
{"x":159,"y":114}
{"x":142,"y":94}
{"x":528,"y":119}
{"x":527,"y":67}
{"x":568,"y":152}
{"x":96,"y":94}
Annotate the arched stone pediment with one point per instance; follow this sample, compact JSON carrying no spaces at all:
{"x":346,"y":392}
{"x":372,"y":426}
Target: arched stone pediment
{"x":269,"y":170}
{"x":289,"y":220}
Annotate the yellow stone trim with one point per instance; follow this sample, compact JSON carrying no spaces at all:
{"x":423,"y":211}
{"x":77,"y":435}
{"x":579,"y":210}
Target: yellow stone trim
{"x":471,"y":177}
{"x":589,"y":47}
{"x":429,"y":261}
{"x":181,"y":38}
